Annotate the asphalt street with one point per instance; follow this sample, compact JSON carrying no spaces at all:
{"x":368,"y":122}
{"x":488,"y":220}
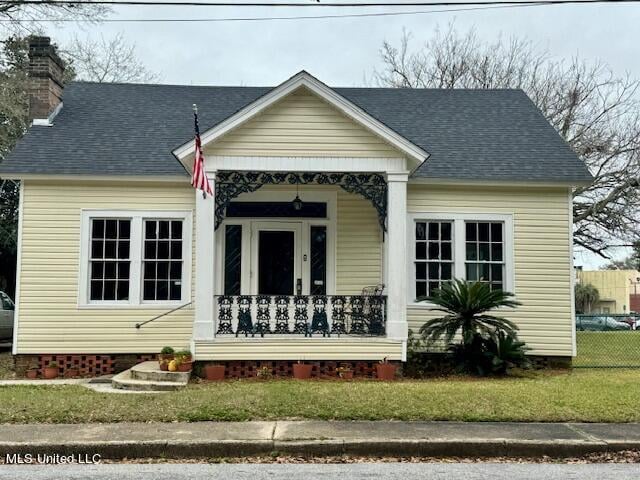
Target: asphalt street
{"x":392,"y":471}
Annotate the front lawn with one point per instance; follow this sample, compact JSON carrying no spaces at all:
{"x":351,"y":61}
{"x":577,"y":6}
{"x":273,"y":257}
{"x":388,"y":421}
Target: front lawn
{"x":590,"y":396}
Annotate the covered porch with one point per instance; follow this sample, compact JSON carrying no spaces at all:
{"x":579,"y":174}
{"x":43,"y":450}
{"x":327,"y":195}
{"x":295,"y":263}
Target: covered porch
{"x":294,"y":260}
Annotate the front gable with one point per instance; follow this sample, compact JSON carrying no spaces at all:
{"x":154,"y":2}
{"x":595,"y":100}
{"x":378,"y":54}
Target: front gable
{"x":302,"y":125}
{"x":303,"y":117}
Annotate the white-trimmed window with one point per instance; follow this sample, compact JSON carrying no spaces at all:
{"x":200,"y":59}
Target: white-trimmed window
{"x":484,"y":253}
{"x":131,"y":258}
{"x":110,"y":259}
{"x":475,"y":247}
{"x":433,"y":255}
{"x":162,"y":260}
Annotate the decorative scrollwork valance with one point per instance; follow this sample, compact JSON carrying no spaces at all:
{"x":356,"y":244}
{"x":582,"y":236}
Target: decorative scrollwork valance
{"x":230,"y":184}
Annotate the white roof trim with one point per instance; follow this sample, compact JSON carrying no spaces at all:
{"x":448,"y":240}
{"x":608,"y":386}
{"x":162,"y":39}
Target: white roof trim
{"x":304,"y":79}
{"x":495,"y":183}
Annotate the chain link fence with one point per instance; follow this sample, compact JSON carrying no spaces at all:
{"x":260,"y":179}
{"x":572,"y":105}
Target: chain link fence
{"x":607,"y":341}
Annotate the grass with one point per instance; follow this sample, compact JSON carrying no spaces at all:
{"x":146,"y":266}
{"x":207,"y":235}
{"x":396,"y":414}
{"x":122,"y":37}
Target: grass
{"x":597,"y":349}
{"x":6,"y":366}
{"x":585,"y":395}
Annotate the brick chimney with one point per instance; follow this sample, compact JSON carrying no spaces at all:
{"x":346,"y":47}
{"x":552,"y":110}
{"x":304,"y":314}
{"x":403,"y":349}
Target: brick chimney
{"x":45,"y":71}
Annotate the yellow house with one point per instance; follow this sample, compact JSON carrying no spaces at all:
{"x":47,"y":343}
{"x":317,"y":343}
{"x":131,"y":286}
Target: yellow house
{"x":615,"y":287}
{"x":333,"y":210}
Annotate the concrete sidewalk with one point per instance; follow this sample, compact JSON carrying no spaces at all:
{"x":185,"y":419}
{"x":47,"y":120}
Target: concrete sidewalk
{"x":318,"y":438}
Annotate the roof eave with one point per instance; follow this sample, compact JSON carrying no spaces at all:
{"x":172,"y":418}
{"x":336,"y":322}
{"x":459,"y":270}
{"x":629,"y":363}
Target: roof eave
{"x":568,"y":183}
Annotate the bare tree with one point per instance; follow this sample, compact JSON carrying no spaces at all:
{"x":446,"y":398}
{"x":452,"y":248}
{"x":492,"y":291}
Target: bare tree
{"x":595,"y":111}
{"x":22,"y":18}
{"x":106,"y":60}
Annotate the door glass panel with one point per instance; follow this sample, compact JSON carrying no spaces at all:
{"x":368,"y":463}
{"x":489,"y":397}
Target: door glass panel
{"x":318,"y":262}
{"x":232,"y":259}
{"x":276,"y":251}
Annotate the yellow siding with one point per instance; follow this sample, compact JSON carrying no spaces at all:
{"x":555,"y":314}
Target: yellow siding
{"x":49,"y":317}
{"x":306,"y":349}
{"x":359,"y":245}
{"x":541,"y":256}
{"x":301,"y":124}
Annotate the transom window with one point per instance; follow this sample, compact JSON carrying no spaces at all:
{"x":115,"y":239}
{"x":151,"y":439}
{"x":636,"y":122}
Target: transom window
{"x":433,"y":256}
{"x":110,"y":259}
{"x":472,"y":247}
{"x":132,"y":257}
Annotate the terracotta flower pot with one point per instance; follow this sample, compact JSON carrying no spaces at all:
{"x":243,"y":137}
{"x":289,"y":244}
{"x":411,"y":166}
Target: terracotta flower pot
{"x":302,"y":371}
{"x":72,"y":373}
{"x":50,"y":372}
{"x":214,"y":372}
{"x":164,"y":359}
{"x":386,"y":371}
{"x":185,"y":366}
{"x":32,"y":373}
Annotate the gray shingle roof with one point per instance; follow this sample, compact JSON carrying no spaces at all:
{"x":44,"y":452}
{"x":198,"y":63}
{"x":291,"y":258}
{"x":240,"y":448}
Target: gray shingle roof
{"x":126,"y":129}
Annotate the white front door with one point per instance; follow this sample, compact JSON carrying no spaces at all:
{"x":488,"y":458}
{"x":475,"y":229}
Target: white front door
{"x":276,"y":258}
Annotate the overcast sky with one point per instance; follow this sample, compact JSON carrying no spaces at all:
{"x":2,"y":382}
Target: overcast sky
{"x":343,"y":52}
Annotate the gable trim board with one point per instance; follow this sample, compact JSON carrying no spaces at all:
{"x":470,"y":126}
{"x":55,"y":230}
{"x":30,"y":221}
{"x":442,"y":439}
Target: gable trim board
{"x":305,"y":164}
{"x":305,"y":80}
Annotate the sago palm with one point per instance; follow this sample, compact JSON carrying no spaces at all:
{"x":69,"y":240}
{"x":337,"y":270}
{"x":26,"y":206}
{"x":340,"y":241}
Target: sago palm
{"x":466,"y":305}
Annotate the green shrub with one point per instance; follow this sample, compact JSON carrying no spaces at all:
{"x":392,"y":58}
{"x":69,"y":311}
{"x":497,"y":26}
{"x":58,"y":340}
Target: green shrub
{"x":489,"y":344}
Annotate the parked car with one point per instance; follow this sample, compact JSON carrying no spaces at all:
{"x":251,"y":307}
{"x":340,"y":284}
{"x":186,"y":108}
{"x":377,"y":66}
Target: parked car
{"x":600,"y":323}
{"x":6,"y":316}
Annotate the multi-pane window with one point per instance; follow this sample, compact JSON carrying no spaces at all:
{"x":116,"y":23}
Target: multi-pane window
{"x":433,"y":256}
{"x":484,"y":253}
{"x":162,"y":260}
{"x":110,"y":261}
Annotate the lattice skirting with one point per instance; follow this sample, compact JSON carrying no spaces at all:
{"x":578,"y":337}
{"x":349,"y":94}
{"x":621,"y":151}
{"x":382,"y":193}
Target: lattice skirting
{"x":284,"y":368}
{"x":87,"y":365}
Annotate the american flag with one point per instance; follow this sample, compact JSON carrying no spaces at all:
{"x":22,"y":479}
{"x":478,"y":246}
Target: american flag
{"x":199,"y":178}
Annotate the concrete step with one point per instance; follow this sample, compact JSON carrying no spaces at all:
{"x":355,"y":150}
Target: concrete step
{"x":126,"y":381}
{"x":151,"y":372}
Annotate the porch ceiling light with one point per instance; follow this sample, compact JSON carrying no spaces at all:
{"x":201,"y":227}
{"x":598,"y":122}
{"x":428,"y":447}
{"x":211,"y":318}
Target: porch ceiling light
{"x":297,"y":203}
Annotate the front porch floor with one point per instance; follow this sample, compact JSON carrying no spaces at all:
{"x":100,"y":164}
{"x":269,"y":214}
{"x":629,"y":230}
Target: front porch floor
{"x":285,"y":347}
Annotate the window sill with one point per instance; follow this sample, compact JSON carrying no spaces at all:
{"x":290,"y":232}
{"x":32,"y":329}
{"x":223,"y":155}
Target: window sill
{"x":125,"y":306}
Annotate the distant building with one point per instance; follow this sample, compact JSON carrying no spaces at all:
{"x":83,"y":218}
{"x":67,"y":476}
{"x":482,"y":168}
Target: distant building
{"x":619,"y":289}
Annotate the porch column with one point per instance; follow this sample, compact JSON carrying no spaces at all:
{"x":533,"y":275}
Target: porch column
{"x":203,"y":326}
{"x":396,"y":255}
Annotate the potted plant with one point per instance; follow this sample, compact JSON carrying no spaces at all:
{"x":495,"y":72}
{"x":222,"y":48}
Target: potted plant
{"x":166,"y":355}
{"x":344,"y":371}
{"x":72,"y":372}
{"x":302,"y":371}
{"x":32,"y":371}
{"x":385,"y":370}
{"x":184,"y":360}
{"x":51,"y":370}
{"x":214,"y":371}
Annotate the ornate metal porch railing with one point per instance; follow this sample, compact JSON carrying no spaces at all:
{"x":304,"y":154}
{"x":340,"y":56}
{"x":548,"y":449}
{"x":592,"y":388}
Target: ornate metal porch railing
{"x":304,"y":315}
